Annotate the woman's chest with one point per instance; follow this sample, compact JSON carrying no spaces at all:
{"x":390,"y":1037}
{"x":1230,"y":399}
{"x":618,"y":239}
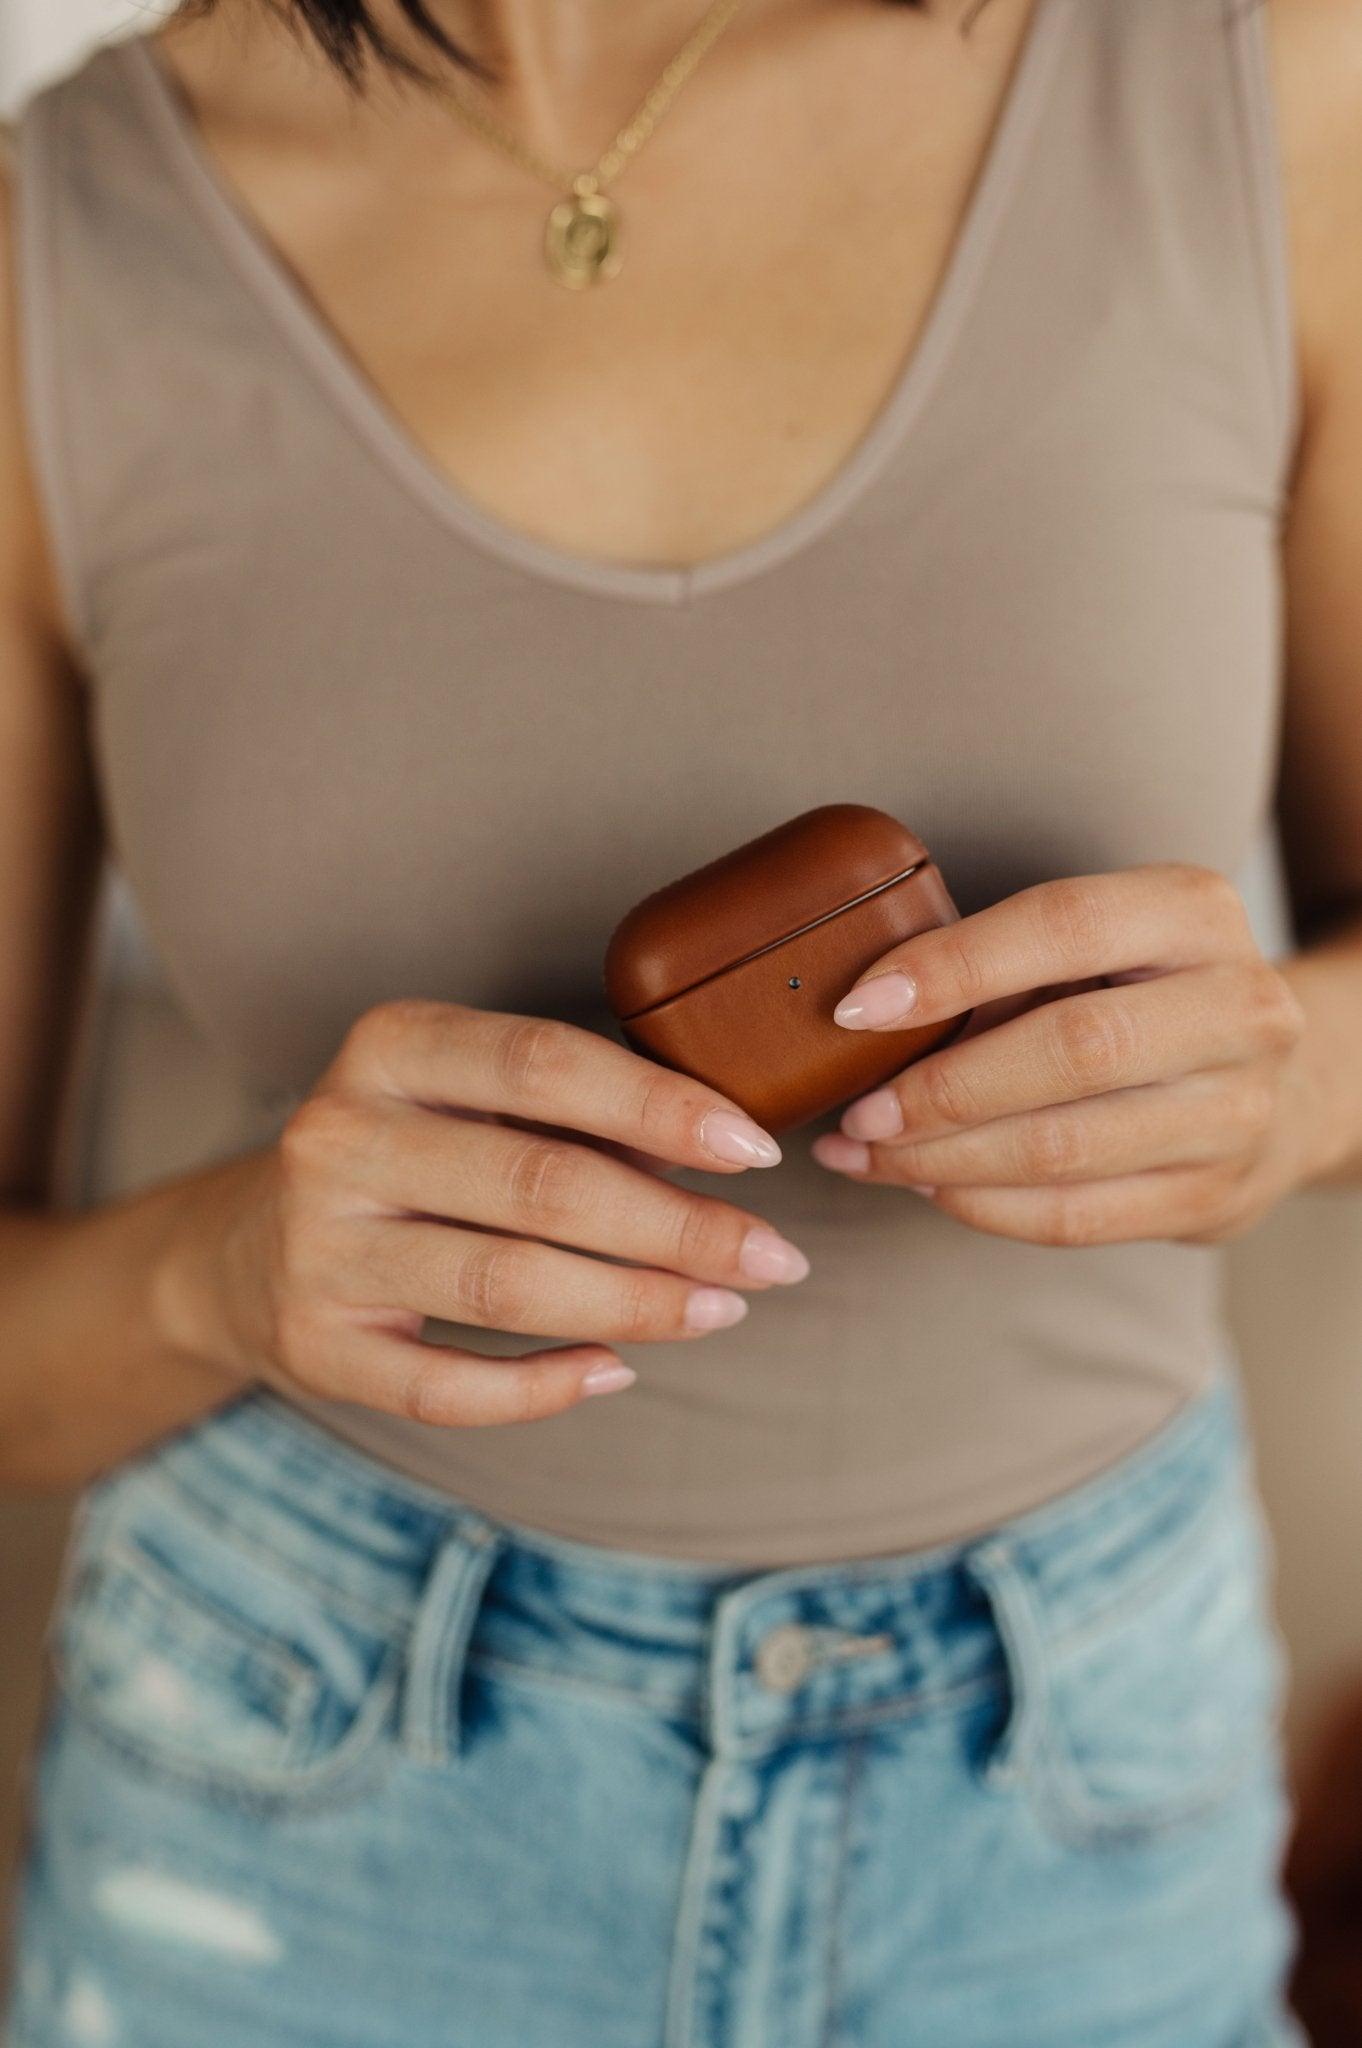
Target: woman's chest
{"x":783,"y":233}
{"x":361,"y":739}
{"x":419,"y":769}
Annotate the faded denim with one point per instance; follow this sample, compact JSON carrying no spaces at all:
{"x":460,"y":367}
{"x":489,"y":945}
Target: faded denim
{"x":331,"y":1762}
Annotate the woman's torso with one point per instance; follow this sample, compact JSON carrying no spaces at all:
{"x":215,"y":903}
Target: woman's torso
{"x":361,"y":737}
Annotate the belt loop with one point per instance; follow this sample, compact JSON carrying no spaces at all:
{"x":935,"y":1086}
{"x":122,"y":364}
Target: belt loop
{"x":441,"y":1628}
{"x":995,"y":1568}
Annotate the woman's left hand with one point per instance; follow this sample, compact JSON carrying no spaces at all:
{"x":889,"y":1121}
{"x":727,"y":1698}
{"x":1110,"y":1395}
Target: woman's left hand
{"x":1133,"y":1068}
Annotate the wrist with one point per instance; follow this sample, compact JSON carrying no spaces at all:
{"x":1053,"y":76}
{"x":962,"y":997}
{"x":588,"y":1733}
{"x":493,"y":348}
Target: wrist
{"x":203,"y":1279}
{"x":1327,"y":1095}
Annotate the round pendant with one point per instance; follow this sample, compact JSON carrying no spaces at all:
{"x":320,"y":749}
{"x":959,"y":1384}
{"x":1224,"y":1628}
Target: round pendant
{"x":581,"y":240}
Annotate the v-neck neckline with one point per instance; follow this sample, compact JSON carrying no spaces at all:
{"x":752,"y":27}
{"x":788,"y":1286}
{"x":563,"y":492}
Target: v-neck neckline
{"x":265,"y":270}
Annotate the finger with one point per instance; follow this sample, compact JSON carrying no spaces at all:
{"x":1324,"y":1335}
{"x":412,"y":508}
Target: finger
{"x":1166,"y":1203}
{"x":548,"y":1186}
{"x":1176,"y":1203}
{"x":450,"y":1056}
{"x":1156,"y":918}
{"x":449,"y":1387}
{"x":1080,"y":1046}
{"x":647,"y":1162}
{"x":1191,"y":1122}
{"x":518,"y":1284}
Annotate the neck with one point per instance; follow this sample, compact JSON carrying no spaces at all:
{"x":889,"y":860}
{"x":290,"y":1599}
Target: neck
{"x":549,"y":52}
{"x":568,"y":72}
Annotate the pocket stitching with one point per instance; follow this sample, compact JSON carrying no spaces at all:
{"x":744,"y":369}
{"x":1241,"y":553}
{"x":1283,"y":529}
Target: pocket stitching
{"x":149,"y":1573}
{"x":258,"y":1784}
{"x":1070,"y":1812}
{"x":1053,"y":1778}
{"x":261,"y":1788}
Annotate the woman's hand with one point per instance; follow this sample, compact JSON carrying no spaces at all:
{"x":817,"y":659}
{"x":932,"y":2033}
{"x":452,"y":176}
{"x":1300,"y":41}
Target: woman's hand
{"x":1132,"y":1069}
{"x":458,"y":1164}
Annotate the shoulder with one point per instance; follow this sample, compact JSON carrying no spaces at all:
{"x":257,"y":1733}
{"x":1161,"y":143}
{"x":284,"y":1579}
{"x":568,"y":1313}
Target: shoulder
{"x":1316,"y":59}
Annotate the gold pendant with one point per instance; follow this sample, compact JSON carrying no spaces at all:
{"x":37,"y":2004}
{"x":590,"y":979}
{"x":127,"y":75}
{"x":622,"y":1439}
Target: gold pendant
{"x":581,"y":237}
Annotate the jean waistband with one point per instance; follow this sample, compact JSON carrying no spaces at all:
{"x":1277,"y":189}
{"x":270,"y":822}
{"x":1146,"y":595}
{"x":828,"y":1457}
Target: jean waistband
{"x":754,"y":1655}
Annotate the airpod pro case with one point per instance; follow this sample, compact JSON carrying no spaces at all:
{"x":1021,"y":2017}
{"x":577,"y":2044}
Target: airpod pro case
{"x":731,"y":973}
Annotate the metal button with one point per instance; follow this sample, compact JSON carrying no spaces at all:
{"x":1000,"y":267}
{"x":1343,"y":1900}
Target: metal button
{"x":784,"y":1658}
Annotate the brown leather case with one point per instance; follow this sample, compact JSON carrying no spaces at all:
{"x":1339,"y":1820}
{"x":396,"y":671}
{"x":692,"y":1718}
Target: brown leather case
{"x":731,"y":973}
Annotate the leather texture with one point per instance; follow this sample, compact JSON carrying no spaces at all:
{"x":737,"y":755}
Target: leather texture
{"x":758,"y":1026}
{"x":762,"y":891}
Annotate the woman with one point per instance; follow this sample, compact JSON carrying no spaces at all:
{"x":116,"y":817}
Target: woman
{"x":423,"y":537}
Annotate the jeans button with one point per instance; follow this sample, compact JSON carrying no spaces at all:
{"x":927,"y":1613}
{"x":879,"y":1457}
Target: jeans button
{"x":784,"y":1658}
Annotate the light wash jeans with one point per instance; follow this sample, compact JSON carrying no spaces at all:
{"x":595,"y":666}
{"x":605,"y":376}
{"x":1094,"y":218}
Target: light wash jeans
{"x":332,"y":1762}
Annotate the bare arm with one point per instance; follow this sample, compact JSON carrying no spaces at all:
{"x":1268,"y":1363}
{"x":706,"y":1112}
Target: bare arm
{"x":84,"y":1373}
{"x":1318,"y":66}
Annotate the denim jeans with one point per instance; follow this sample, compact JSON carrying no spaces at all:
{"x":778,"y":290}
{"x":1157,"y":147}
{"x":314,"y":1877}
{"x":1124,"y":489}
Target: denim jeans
{"x":333,"y":1762}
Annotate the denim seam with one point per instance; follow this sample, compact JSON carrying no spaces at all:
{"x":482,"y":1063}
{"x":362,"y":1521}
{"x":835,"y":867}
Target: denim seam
{"x":833,"y":1954}
{"x":1168,"y":1560}
{"x":898,"y":1706}
{"x":287,"y":1570}
{"x":122,"y":1549}
{"x":689,"y":1925}
{"x":536,"y":1677}
{"x":1068,"y":1812}
{"x":437,"y":1647}
{"x":1024,"y":1652}
{"x":903,"y":1707}
{"x":257,"y":1789}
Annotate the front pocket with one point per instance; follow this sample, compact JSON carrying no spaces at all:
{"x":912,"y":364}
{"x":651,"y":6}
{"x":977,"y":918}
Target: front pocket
{"x":204,"y":1665}
{"x":1151,"y":1713}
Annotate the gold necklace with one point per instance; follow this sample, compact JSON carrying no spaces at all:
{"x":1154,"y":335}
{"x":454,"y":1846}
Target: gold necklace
{"x":582,"y":233}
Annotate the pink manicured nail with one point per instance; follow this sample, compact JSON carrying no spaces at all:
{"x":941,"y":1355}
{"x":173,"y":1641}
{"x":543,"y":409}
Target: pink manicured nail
{"x":883,"y":999}
{"x":714,"y":1308}
{"x":733,"y":1137}
{"x":874,"y":1116}
{"x":765,"y":1255}
{"x":608,"y":1377}
{"x":843,"y":1155}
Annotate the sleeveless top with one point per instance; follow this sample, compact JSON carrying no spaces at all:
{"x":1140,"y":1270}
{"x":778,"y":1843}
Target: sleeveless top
{"x":360,"y":739}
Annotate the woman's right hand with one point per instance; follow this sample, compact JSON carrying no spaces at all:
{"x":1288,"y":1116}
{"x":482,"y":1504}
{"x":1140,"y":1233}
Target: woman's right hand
{"x":396,"y":1192}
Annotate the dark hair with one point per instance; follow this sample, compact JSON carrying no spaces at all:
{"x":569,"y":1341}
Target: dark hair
{"x":349,"y":36}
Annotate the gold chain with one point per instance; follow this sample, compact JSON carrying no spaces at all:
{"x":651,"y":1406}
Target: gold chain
{"x":582,"y":233}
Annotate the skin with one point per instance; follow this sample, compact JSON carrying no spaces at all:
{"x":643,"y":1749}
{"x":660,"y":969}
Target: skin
{"x":460,"y":1163}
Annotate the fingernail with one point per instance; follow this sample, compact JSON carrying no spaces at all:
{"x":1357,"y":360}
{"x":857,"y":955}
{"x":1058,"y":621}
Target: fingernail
{"x":883,"y":999}
{"x":920,"y":1187}
{"x":765,"y":1255}
{"x":733,"y":1137}
{"x":714,"y":1308}
{"x":844,"y":1155}
{"x":608,"y":1377}
{"x":874,"y":1116}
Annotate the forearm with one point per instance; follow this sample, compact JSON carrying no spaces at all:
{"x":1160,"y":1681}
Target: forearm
{"x":1326,"y":978}
{"x":94,"y":1363}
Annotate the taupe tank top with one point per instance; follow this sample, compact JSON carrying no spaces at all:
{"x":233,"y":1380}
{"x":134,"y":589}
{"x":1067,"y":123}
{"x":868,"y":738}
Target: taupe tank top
{"x":359,"y":739}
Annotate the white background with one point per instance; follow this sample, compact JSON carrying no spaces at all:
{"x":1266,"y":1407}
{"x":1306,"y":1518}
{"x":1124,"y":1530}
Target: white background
{"x":40,"y":37}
